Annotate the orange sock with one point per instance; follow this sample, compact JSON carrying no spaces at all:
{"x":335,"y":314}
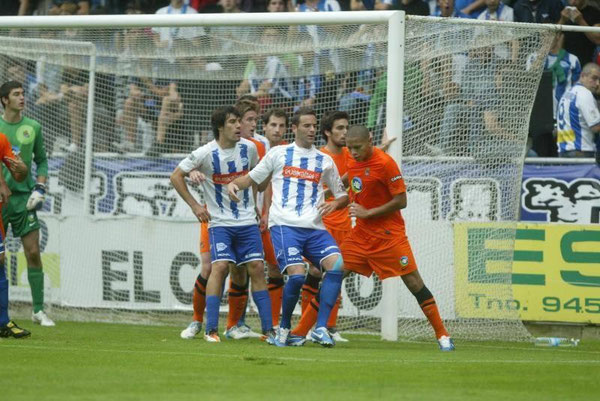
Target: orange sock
{"x":430,"y":310}
{"x":199,"y":298}
{"x":308,"y":319}
{"x":332,"y":322}
{"x":309,"y":290}
{"x":275,"y":285}
{"x":237,"y":298}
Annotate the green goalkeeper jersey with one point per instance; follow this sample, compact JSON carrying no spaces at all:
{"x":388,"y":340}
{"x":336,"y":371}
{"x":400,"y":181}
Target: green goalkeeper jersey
{"x":26,"y":139}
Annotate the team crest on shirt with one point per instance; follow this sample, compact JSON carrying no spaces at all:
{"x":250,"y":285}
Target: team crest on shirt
{"x":357,"y":185}
{"x":25,"y":134}
{"x":404,"y":261}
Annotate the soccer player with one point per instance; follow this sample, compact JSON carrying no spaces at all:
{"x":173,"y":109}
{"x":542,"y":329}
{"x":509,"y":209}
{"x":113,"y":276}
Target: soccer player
{"x":378,"y":243}
{"x":298,"y":172}
{"x":18,"y":171}
{"x":28,"y":196}
{"x":334,"y":126}
{"x":233,"y":228}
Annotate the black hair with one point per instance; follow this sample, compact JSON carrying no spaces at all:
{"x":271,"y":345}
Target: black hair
{"x":219,"y":116}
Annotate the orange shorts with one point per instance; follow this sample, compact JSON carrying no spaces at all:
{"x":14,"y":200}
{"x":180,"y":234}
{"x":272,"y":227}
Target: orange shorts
{"x":338,"y":235}
{"x":204,"y":238}
{"x":365,"y":254}
{"x":268,"y":248}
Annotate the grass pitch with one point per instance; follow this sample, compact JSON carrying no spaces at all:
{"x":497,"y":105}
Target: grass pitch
{"x":92,"y":361}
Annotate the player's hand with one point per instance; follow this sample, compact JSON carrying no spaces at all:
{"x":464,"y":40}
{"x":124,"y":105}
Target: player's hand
{"x":325,"y":208}
{"x":196,"y":177}
{"x":201,"y":213}
{"x":232,"y":190}
{"x":358,"y":211}
{"x":264,"y":222}
{"x":16,"y":165}
{"x":37,"y":197}
{"x":4,"y":193}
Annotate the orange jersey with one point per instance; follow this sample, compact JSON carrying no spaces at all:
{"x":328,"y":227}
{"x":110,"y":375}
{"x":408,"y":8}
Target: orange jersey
{"x":338,"y":219}
{"x":260,"y":147}
{"x":5,"y":151}
{"x":373,"y":183}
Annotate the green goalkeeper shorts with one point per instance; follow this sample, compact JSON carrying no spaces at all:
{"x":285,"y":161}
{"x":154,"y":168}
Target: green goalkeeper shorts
{"x":15,"y":213}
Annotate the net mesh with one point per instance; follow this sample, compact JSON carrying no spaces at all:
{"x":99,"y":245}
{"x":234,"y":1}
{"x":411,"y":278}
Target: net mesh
{"x":468,"y":92}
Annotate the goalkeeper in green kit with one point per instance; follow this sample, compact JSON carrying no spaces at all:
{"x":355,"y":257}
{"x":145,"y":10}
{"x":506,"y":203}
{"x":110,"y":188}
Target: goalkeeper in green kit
{"x":25,"y":136}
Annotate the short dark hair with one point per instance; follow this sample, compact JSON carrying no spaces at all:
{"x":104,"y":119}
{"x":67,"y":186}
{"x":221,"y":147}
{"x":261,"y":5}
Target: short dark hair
{"x":8,"y":87}
{"x":280,"y":113}
{"x":302,"y":111}
{"x":329,"y":118}
{"x":358,"y":131}
{"x":219,"y":116}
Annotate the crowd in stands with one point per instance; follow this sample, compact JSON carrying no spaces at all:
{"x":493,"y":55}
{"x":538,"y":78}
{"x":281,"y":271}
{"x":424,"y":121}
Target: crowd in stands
{"x":164,"y":107}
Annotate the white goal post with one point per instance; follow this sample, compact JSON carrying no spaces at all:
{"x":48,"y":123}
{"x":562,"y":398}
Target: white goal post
{"x":442,"y":87}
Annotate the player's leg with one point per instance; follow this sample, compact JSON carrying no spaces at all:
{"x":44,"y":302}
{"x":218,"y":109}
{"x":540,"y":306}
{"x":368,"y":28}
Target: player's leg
{"x":417,"y":287}
{"x":199,"y":290}
{"x":237,"y":298}
{"x":397,"y":259}
{"x":26,"y":225}
{"x":219,"y":270}
{"x":310,"y":288}
{"x":322,"y":251}
{"x":339,"y":236}
{"x":7,"y":327}
{"x":260,"y":295}
{"x":287,"y":244}
{"x":275,"y":278}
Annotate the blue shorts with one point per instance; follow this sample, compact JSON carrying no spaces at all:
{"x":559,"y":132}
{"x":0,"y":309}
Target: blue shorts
{"x":292,"y":243}
{"x":235,"y":244}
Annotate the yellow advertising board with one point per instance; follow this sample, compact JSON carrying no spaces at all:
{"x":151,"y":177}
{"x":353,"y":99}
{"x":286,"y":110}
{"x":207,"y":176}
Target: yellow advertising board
{"x":554,"y":270}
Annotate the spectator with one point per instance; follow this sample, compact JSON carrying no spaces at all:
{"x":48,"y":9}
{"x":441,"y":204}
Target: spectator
{"x":164,"y":36}
{"x":578,"y":116}
{"x":445,"y":8}
{"x":496,"y":11}
{"x":276,"y":6}
{"x":582,"y":13}
{"x":410,"y":7}
{"x":537,"y":11}
{"x":14,"y":7}
{"x":565,"y":67}
{"x":469,"y":8}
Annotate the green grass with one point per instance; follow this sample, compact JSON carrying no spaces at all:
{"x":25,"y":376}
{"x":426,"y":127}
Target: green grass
{"x":91,"y":361}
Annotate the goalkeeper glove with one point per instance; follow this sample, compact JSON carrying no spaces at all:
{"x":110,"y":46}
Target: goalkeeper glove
{"x":36,"y":200}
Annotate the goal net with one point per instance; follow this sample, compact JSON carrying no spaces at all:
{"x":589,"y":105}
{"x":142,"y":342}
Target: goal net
{"x":121,"y":106}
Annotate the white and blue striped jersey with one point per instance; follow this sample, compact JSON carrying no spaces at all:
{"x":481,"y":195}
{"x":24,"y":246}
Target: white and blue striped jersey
{"x":298,"y":175}
{"x":221,"y":166}
{"x":577,"y":113}
{"x":572,"y":69}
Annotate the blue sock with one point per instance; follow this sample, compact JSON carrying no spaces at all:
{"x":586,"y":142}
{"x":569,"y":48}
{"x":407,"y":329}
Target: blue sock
{"x":3,"y":297}
{"x":291,"y":293}
{"x":330,"y":289}
{"x":212,"y":313}
{"x":263,"y":303}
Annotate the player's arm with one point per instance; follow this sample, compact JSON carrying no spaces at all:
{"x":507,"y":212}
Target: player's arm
{"x":257,"y":176}
{"x":38,"y":195}
{"x":178,"y":181}
{"x":396,"y":203}
{"x":332,"y":179}
{"x":239,"y":184}
{"x":14,"y":164}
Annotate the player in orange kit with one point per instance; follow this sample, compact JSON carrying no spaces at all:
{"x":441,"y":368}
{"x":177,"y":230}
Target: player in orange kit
{"x":378,"y":243}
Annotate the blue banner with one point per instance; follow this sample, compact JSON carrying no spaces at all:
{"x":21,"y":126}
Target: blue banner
{"x":561,"y":193}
